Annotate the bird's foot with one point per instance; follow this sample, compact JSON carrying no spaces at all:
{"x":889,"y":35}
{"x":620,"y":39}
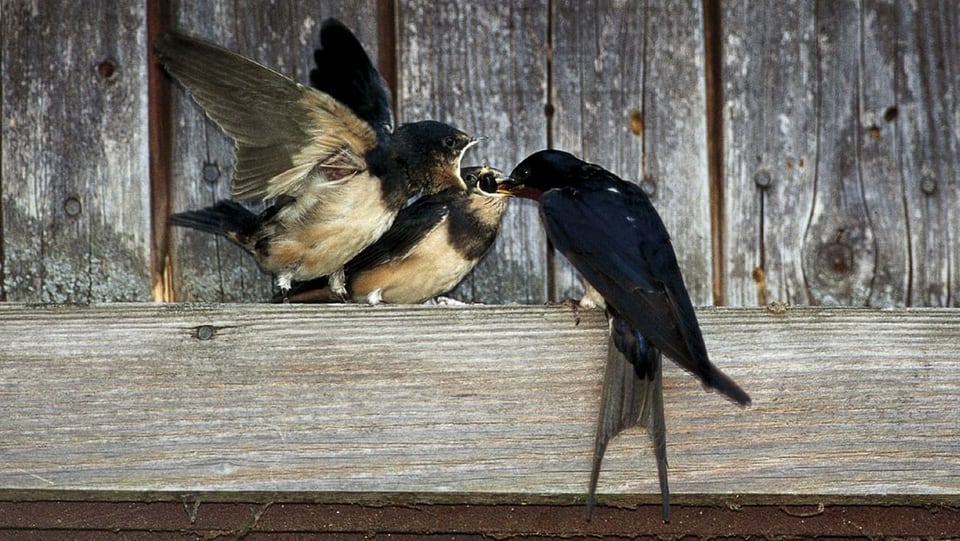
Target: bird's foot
{"x":570,"y":303}
{"x":337,"y":282}
{"x":284,"y":283}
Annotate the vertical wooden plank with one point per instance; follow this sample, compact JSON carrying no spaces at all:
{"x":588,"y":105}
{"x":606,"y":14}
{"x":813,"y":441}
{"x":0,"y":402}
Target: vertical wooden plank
{"x":74,"y":162}
{"x":833,"y":121}
{"x":629,"y":94}
{"x":769,"y":147}
{"x":927,"y":120}
{"x":883,"y":184}
{"x":282,"y":36}
{"x":839,"y":249}
{"x":481,"y":67}
{"x":675,"y":123}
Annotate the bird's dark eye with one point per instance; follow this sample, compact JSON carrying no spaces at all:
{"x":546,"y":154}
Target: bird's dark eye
{"x":471,"y":179}
{"x":449,"y":141}
{"x":488,"y":184}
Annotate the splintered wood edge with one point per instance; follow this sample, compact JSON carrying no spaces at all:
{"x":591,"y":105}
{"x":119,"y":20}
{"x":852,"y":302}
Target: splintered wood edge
{"x":468,"y":404}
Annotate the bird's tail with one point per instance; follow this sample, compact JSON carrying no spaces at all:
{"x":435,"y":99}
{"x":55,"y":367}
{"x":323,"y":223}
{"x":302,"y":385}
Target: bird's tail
{"x":632,"y":394}
{"x":225,"y":218}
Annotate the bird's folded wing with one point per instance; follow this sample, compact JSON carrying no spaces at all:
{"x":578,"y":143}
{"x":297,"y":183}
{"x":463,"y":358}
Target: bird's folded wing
{"x":614,"y":237}
{"x":411,"y":226}
{"x":283,"y":131}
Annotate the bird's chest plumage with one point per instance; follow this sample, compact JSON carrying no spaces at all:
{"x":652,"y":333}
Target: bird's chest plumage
{"x":430,"y":268}
{"x":317,"y":234}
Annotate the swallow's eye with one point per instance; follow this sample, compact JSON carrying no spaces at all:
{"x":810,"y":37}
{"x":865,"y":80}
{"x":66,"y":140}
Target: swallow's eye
{"x":525,"y":172}
{"x":488,"y":184}
{"x":449,"y":141}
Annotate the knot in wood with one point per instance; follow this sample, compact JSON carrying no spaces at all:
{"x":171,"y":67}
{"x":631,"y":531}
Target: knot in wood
{"x":106,"y":69}
{"x":835,"y":259}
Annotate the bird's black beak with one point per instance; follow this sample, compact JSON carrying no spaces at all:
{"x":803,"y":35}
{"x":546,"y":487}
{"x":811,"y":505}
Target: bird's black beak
{"x":509,"y":186}
{"x":506,"y":186}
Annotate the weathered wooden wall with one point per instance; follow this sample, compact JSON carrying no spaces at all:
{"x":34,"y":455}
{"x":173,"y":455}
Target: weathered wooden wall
{"x":840,"y":144}
{"x":842,"y":152}
{"x":73,"y":152}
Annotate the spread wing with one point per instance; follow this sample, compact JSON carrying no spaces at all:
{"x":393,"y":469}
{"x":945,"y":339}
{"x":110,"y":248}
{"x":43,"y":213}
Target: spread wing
{"x":611,"y":233}
{"x":284,"y":132}
{"x":345,"y":72}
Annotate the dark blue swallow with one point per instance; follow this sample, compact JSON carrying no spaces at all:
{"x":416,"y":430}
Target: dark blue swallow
{"x":609,"y":230}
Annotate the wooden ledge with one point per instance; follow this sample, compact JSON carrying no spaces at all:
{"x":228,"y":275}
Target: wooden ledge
{"x":477,"y":403}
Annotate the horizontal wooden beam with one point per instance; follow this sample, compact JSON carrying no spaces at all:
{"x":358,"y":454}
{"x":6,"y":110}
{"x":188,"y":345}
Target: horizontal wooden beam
{"x":465,"y":404}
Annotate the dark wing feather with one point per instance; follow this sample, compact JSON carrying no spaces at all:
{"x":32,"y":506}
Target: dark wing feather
{"x":344,"y":71}
{"x":611,"y":233}
{"x":284,"y":132}
{"x":412,"y":224}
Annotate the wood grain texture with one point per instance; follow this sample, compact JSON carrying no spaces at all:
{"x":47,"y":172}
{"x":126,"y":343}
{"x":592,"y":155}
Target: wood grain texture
{"x":74,"y":167}
{"x":770,"y":147}
{"x":928,"y":126}
{"x":629,"y":95}
{"x":481,"y":67}
{"x":283,"y":37}
{"x":834,"y":156}
{"x":340,"y":401}
{"x":839,"y":248}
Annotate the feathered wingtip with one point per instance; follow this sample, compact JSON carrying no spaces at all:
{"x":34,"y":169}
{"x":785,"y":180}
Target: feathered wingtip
{"x":344,"y":71}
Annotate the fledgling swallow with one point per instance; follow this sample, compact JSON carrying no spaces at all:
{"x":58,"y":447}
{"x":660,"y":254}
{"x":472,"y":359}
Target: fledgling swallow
{"x":433,"y":244}
{"x":609,"y":230}
{"x":335,"y":179}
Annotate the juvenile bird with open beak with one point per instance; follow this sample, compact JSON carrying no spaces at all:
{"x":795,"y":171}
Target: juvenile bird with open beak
{"x":433,"y":244}
{"x":609,"y":230}
{"x":335,"y":179}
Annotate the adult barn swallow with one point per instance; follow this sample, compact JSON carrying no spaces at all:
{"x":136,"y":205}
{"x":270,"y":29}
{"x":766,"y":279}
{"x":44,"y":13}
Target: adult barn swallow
{"x":433,"y":244}
{"x":609,"y":230}
{"x":334,"y":180}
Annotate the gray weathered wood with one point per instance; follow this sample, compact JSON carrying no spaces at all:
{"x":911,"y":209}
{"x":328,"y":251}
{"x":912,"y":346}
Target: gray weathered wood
{"x":839,"y":249}
{"x":832,"y":125}
{"x":481,"y":67}
{"x":845,"y":111}
{"x":466,"y":403}
{"x":629,"y":95}
{"x":75,"y":218}
{"x":282,"y":36}
{"x":927,"y":120}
